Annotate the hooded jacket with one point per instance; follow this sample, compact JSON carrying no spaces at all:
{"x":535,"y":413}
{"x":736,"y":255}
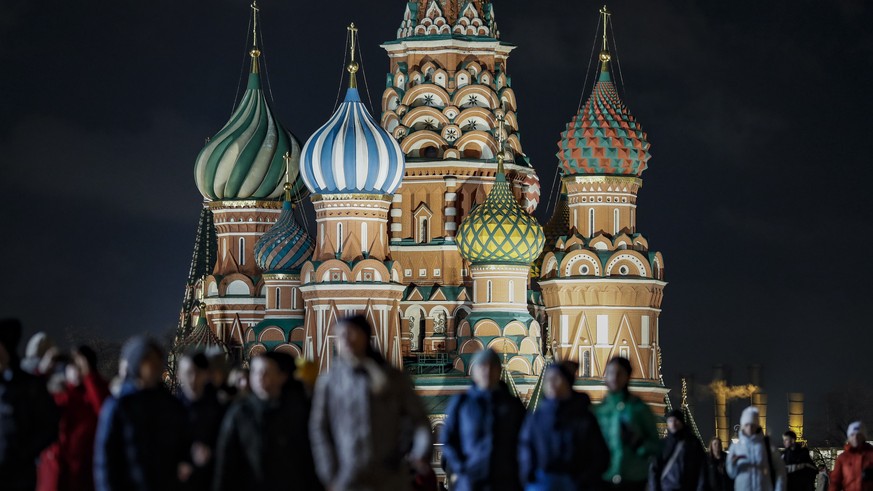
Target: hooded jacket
{"x":480,"y":439}
{"x":751,"y":470}
{"x":561,"y":442}
{"x":848,"y":473}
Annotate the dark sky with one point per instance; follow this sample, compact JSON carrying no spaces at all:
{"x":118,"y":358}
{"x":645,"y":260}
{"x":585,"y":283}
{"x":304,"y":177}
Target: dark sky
{"x":758,"y":115}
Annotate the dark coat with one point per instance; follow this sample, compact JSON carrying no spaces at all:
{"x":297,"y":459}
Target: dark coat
{"x":716,"y":472}
{"x":264,"y":445}
{"x":141,"y":440}
{"x":28,"y":424}
{"x":480,"y":440}
{"x":561,"y":440}
{"x":800,"y":468}
{"x":67,"y":465}
{"x":681,"y":466}
{"x":204,"y":422}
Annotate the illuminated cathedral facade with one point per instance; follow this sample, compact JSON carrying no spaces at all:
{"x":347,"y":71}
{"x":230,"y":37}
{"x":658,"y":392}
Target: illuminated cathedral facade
{"x":423,"y":223}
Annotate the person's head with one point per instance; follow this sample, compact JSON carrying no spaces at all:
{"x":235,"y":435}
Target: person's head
{"x":675,"y":421}
{"x":239,"y":379}
{"x":10,"y":336}
{"x":485,"y":369}
{"x":143,"y":362}
{"x":193,"y":374}
{"x":559,"y":378}
{"x":269,"y":373}
{"x":353,"y":336}
{"x":72,"y":373}
{"x":89,"y":355}
{"x":218,"y":367}
{"x":38,"y":345}
{"x":618,"y":372}
{"x":750,"y":421}
{"x":789,"y":438}
{"x":857,"y":434}
{"x":715,"y":446}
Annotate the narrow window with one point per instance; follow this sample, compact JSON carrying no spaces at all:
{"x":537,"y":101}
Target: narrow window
{"x":364,"y":237}
{"x":293,"y":298}
{"x":511,"y":291}
{"x":278,"y":302}
{"x":590,"y":222}
{"x":339,"y":237}
{"x":615,"y":221}
{"x":488,"y":292}
{"x":586,"y":364}
{"x":422,"y":231}
{"x":242,"y":251}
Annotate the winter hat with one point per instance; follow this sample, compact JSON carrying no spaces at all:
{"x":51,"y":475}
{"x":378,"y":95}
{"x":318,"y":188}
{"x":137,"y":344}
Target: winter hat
{"x":676,"y":413}
{"x":10,"y":335}
{"x":566,"y":369}
{"x":856,"y":427}
{"x":134,"y":351}
{"x":37,"y":345}
{"x":750,"y":415}
{"x":486,"y":356}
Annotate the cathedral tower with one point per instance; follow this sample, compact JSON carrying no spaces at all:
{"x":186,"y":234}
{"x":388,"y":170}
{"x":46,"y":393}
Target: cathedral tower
{"x":352,"y":166}
{"x":601,"y":284}
{"x":240,"y":173}
{"x":447,"y":87}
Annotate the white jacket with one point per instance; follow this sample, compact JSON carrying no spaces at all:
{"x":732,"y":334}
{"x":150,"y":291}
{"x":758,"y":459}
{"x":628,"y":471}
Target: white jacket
{"x":751,"y":471}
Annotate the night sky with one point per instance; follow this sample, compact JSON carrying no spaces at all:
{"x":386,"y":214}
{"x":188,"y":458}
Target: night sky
{"x":756,"y":193}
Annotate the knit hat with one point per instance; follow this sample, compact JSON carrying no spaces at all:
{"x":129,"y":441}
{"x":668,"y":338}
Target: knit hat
{"x":750,"y":415}
{"x":486,"y":356}
{"x":135,"y":350}
{"x":676,"y":413}
{"x":856,"y":427}
{"x":10,"y":335}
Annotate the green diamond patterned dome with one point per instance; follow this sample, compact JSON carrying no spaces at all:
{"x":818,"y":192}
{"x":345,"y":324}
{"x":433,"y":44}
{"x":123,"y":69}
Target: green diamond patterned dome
{"x":499,"y":230}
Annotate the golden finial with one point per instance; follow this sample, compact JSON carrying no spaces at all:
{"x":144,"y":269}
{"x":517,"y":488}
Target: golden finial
{"x":287,"y":158}
{"x":501,"y":136}
{"x":604,"y":52}
{"x":255,"y":52}
{"x":352,"y":68}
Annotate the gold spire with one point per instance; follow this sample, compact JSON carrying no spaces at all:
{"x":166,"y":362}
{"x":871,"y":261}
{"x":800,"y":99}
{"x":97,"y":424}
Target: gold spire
{"x":604,"y":51}
{"x":352,"y":67}
{"x":287,"y":186}
{"x":255,"y":52}
{"x":501,"y":137}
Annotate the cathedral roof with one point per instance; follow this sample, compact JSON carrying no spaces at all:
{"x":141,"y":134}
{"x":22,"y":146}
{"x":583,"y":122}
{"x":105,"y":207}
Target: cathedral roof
{"x":201,"y":337}
{"x":468,"y":19}
{"x":351,"y":153}
{"x":603,"y":138}
{"x":499,"y":230}
{"x":285,"y":246}
{"x":245,"y":160}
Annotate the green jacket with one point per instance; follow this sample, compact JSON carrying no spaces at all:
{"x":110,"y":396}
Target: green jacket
{"x":630,"y":448}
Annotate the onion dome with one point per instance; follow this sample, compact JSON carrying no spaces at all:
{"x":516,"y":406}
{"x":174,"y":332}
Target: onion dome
{"x":201,"y":337}
{"x":499,"y":230}
{"x":245,"y":160}
{"x":603,"y":138}
{"x":351,"y":153}
{"x":285,"y":246}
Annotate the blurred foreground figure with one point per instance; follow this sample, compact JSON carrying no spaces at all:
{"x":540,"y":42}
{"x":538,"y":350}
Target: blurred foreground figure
{"x":798,"y":464}
{"x":67,"y":465}
{"x":28,"y":417}
{"x":205,"y":413}
{"x":716,"y":466}
{"x":480,"y":438}
{"x":367,"y":424}
{"x":753,"y":461}
{"x":142,"y":434}
{"x":682,"y":463}
{"x":264,"y":442}
{"x":560,"y":446}
{"x":629,"y":428}
{"x":853,"y":470}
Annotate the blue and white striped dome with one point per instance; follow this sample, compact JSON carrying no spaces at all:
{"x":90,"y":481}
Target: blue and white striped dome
{"x":351,"y":153}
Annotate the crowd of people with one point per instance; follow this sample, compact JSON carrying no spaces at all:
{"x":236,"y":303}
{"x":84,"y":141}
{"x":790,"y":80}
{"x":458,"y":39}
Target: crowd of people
{"x":361,"y":427}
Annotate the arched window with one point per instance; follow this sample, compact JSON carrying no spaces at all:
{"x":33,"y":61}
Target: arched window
{"x":242,"y":251}
{"x":278,"y":302}
{"x":339,"y":237}
{"x":586,"y":364}
{"x":423,"y":225}
{"x":615,"y":221}
{"x":488,"y":292}
{"x":511,"y":291}
{"x":590,"y":222}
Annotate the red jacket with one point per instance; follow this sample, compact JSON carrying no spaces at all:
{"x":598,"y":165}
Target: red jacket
{"x":846,"y":475}
{"x":66,"y":465}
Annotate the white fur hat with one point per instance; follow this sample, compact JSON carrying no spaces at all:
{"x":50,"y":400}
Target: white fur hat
{"x":855,"y":427}
{"x":750,"y":415}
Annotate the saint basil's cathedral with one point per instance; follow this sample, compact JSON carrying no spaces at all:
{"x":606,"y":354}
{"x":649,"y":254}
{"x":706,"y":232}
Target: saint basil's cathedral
{"x":423,"y":223}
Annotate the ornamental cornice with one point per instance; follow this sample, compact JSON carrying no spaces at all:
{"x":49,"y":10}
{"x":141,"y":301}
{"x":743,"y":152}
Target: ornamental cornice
{"x":356,"y":197}
{"x":282,"y":276}
{"x":244,"y":204}
{"x":589,"y":179}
